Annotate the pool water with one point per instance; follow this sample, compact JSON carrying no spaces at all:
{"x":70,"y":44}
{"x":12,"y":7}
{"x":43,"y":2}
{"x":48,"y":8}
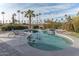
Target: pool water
{"x":44,"y":41}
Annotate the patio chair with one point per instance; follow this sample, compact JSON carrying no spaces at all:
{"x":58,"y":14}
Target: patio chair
{"x":13,"y":33}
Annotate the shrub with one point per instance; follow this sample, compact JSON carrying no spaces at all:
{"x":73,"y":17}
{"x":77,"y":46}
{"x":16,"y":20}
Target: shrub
{"x":77,"y":30}
{"x":36,"y":27}
{"x":9,"y":27}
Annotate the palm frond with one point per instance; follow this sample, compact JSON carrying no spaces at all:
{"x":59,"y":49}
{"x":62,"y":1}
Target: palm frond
{"x":33,"y":15}
{"x":18,"y":11}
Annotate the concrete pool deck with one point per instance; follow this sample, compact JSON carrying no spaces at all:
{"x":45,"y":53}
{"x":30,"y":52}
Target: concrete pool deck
{"x":18,"y":46}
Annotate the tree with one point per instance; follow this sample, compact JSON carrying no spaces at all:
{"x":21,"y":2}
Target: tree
{"x":61,"y":19}
{"x":9,"y":21}
{"x":56,"y":20}
{"x":68,"y":25}
{"x":77,"y":13}
{"x":22,"y":16}
{"x":37,"y":17}
{"x":3,"y":16}
{"x":18,"y":11}
{"x":76,"y":23}
{"x":13,"y":18}
{"x":6,"y":21}
{"x":29,"y":14}
{"x":49,"y":24}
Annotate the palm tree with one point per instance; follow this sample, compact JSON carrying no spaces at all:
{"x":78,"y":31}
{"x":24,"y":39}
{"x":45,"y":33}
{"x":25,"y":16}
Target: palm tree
{"x":13,"y":18}
{"x":29,"y":14}
{"x":69,"y":24}
{"x":68,"y":18}
{"x":18,"y":11}
{"x":3,"y":16}
{"x":77,"y":13}
{"x":38,"y":17}
{"x":56,"y":20}
{"x":22,"y":21}
{"x":52,"y":19}
{"x":9,"y":21}
{"x":6,"y":21}
{"x":22,"y":16}
{"x":61,"y":19}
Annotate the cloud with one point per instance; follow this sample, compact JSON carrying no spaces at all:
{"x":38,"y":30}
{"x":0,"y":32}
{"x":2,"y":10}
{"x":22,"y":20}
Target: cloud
{"x":50,"y":10}
{"x":47,"y":8}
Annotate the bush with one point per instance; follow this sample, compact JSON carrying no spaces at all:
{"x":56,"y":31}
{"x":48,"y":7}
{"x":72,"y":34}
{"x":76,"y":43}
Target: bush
{"x":9,"y":27}
{"x":36,"y":27}
{"x":77,"y":30}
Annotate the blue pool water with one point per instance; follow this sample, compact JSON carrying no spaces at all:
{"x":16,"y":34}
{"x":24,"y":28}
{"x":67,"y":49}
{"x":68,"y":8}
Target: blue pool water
{"x":44,"y":41}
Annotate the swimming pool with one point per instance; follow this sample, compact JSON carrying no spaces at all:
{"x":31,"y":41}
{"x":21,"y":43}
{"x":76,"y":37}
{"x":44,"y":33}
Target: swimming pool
{"x":44,"y":41}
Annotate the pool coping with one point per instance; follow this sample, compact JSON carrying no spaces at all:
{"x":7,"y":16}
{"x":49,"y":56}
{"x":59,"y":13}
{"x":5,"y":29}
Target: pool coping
{"x":65,"y":36}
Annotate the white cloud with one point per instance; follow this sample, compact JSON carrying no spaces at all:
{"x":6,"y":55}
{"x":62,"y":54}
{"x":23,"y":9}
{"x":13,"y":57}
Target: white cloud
{"x":45,"y":9}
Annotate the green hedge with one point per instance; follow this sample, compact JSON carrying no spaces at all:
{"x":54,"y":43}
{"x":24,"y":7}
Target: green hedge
{"x":13,"y":26}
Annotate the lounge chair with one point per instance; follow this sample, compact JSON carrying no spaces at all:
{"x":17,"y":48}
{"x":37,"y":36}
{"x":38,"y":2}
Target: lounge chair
{"x":17,"y":32}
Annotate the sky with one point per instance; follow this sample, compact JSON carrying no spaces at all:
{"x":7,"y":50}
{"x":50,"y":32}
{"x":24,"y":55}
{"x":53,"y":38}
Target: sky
{"x":47,"y":10}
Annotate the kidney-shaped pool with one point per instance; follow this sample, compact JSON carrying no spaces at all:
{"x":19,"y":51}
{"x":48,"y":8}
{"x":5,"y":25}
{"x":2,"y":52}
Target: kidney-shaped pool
{"x":44,"y":41}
